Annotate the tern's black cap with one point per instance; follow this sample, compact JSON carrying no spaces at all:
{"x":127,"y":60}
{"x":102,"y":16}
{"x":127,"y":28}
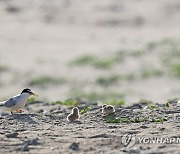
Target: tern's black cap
{"x":26,"y":90}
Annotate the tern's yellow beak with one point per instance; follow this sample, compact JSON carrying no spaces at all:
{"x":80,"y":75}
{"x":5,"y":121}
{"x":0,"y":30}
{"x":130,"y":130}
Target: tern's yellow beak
{"x":34,"y":94}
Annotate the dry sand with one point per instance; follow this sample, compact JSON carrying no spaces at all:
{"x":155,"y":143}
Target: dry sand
{"x":45,"y":132}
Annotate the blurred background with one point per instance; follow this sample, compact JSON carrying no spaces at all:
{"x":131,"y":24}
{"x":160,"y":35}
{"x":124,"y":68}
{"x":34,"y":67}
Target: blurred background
{"x":96,"y":50}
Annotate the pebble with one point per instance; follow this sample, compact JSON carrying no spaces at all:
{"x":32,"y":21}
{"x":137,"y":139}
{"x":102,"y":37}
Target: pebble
{"x":134,"y":151}
{"x":74,"y":146}
{"x":12,"y":135}
{"x":31,"y":142}
{"x":40,"y":111}
{"x":144,"y":127}
{"x":4,"y":114}
{"x":162,"y":129}
{"x":24,"y":147}
{"x":45,"y":113}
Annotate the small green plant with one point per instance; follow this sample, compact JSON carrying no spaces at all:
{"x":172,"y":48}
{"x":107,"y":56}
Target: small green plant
{"x":151,"y":73}
{"x":130,"y":77}
{"x":95,"y":95}
{"x":45,"y":81}
{"x":85,"y":110}
{"x":31,"y":99}
{"x":168,"y":42}
{"x":139,"y":119}
{"x":151,"y":107}
{"x":151,"y":45}
{"x":3,"y":68}
{"x":137,"y":53}
{"x":110,"y":119}
{"x":124,"y":120}
{"x":175,"y":70}
{"x":145,"y":101}
{"x":108,"y":80}
{"x":70,"y":102}
{"x":103,"y":61}
{"x":173,"y":100}
{"x":83,"y":60}
{"x":48,"y":115}
{"x":115,"y":102}
{"x":159,"y":119}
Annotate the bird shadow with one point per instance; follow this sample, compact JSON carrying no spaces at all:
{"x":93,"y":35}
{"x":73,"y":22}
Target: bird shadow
{"x":26,"y":118}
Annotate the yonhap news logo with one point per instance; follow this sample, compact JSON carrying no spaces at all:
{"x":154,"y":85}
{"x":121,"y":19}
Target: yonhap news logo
{"x":129,"y":139}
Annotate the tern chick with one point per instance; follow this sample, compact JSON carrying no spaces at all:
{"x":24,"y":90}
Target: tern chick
{"x":74,"y":115}
{"x":17,"y":103}
{"x":107,"y":109}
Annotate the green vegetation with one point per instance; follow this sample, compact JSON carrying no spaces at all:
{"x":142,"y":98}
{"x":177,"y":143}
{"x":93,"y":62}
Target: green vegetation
{"x":31,"y":99}
{"x":104,"y":61}
{"x":108,"y":80}
{"x":150,"y":73}
{"x":93,"y":96}
{"x":110,"y":119}
{"x":172,"y":100}
{"x":139,"y":119}
{"x":151,"y":107}
{"x":3,"y":68}
{"x":159,"y":119}
{"x":124,"y":120}
{"x":151,"y":45}
{"x":144,"y":101}
{"x":137,"y":53}
{"x":83,"y":60}
{"x":115,"y":102}
{"x":44,"y":81}
{"x":70,"y":102}
{"x":175,"y":70}
{"x":170,"y":57}
{"x":115,"y":78}
{"x":85,"y":110}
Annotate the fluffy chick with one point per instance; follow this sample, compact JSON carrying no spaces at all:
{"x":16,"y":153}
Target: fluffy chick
{"x":74,"y":115}
{"x":107,"y":109}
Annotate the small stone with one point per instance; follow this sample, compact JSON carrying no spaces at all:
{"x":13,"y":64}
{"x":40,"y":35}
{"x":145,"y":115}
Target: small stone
{"x":74,"y":146}
{"x":13,"y":9}
{"x":144,"y":127}
{"x":162,"y":129}
{"x":134,"y":151}
{"x":112,"y":127}
{"x":12,"y":135}
{"x":24,"y":147}
{"x":46,"y":104}
{"x":40,"y":111}
{"x":4,"y":114}
{"x":31,"y":142}
{"x":162,"y":146}
{"x":45,"y":113}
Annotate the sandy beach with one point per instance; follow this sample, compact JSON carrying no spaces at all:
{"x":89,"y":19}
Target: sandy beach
{"x":109,"y":51}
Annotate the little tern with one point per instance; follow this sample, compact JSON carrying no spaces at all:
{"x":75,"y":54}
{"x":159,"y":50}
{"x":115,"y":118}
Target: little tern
{"x":107,"y":109}
{"x":74,"y":115}
{"x":17,"y":103}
